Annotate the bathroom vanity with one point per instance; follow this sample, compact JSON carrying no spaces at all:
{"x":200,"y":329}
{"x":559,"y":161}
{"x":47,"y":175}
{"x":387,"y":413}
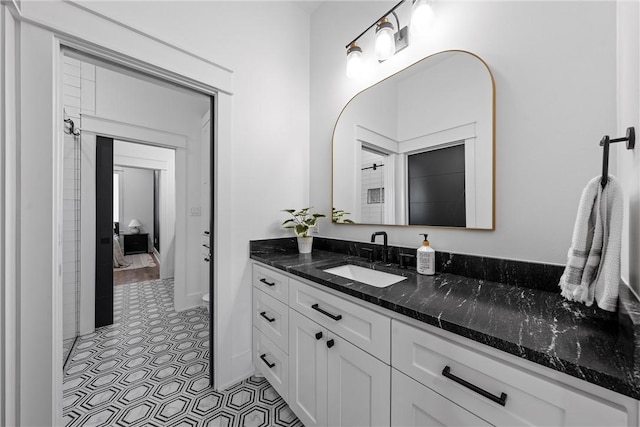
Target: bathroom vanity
{"x":440,"y":350}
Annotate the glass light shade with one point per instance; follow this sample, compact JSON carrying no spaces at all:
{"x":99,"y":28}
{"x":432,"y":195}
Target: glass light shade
{"x":421,"y":17}
{"x":385,"y":41}
{"x":354,"y":62}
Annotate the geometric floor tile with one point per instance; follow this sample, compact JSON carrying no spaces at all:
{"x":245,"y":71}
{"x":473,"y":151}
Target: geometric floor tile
{"x":151,"y":368}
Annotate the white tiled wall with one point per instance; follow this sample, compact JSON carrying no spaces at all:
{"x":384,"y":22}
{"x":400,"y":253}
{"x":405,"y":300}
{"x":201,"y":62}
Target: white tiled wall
{"x":371,"y":213}
{"x":78,"y":97}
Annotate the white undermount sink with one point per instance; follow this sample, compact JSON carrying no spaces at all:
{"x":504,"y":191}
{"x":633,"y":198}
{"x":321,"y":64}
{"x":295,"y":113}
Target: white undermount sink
{"x":376,"y":278}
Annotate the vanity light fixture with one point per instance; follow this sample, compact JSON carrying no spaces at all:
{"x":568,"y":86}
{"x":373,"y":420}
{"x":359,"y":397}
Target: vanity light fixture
{"x":354,"y":60}
{"x":388,"y":42}
{"x":385,"y":40}
{"x":421,"y":17}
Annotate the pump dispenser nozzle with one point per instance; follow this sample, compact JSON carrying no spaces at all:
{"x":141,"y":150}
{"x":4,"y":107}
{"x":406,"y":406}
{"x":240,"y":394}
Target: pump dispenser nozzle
{"x":425,"y":242}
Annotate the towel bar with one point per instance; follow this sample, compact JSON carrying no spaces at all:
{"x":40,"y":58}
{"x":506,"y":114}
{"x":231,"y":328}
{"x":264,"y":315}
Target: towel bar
{"x":630,"y":138}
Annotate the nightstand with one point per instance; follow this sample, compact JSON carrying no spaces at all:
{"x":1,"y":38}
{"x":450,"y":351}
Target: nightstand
{"x":136,"y":243}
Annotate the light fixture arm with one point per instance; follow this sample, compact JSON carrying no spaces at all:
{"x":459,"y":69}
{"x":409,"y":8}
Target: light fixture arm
{"x":391,"y":11}
{"x":397,"y":22}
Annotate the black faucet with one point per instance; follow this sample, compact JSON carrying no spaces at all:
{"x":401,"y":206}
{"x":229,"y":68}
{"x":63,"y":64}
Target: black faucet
{"x":385,"y":249}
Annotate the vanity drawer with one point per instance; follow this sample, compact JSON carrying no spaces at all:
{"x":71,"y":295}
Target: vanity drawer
{"x":363,"y":327}
{"x":271,"y":282}
{"x":530,"y":399}
{"x":272,"y":318}
{"x":271,"y":362}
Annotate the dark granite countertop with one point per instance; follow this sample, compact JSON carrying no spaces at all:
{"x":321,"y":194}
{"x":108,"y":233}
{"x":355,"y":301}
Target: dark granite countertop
{"x":534,"y":324}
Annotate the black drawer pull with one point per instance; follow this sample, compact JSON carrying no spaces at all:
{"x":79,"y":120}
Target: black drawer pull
{"x":269,"y":319}
{"x":206,"y":259}
{"x":326,"y":313}
{"x":267,"y":283}
{"x":330,"y":343}
{"x":270,"y":365}
{"x":499,"y":400}
{"x":319,"y":336}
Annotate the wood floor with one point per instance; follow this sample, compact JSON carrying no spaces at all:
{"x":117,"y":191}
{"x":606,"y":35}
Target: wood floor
{"x":137,"y":275}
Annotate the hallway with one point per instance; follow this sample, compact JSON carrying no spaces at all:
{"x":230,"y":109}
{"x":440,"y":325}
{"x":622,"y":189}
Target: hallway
{"x":150,"y":368}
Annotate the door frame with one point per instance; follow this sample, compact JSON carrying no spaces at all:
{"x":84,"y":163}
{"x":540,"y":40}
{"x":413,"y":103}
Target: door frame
{"x":119,"y":131}
{"x":44,"y":30}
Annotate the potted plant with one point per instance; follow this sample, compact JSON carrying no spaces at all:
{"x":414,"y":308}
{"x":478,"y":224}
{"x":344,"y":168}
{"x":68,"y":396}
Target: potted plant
{"x":339,"y":216}
{"x":302,"y":221}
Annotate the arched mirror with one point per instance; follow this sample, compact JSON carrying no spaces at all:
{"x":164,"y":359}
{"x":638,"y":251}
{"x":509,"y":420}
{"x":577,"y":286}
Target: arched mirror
{"x":418,"y":147}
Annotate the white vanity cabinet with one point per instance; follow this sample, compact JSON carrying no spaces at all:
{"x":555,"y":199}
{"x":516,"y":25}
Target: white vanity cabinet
{"x":495,"y":391}
{"x":340,"y":361}
{"x":336,"y":353}
{"x":331,"y":381}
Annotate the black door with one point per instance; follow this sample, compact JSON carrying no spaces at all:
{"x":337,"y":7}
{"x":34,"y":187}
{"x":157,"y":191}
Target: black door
{"x":104,"y":231}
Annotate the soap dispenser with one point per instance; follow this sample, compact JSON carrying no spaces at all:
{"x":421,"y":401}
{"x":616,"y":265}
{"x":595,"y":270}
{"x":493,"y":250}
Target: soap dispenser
{"x":426,"y":258}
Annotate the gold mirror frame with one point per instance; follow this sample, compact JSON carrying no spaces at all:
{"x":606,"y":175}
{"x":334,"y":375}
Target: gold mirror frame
{"x":493,"y":145}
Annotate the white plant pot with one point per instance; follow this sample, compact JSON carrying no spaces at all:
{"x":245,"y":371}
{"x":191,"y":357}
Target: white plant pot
{"x":305,"y":244}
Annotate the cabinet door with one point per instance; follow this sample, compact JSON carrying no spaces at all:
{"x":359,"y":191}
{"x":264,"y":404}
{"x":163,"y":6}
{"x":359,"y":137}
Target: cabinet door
{"x":359,"y":386}
{"x":307,"y":370}
{"x":413,"y":404}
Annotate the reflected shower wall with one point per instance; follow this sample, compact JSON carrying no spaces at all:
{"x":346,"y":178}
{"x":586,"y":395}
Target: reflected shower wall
{"x":79,"y":97}
{"x":372,"y":182}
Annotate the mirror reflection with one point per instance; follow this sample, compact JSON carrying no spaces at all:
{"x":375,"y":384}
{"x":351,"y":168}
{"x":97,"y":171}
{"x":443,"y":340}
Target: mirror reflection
{"x":417,"y":148}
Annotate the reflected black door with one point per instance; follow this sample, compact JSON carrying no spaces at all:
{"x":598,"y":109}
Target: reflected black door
{"x":436,"y":187}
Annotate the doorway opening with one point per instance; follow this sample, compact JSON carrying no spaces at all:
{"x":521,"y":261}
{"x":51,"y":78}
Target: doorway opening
{"x":140,"y":204}
{"x":139,"y":114}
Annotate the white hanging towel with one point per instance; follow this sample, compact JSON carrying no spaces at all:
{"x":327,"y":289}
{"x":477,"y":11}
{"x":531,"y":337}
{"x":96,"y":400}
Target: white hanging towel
{"x":593,"y":267}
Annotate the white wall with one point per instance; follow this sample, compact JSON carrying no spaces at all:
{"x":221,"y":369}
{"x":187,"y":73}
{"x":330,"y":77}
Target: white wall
{"x":555,"y":98}
{"x":628,"y":64}
{"x":137,"y":199}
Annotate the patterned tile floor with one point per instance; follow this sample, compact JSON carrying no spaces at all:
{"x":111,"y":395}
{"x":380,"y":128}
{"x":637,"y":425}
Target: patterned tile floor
{"x":150,"y":368}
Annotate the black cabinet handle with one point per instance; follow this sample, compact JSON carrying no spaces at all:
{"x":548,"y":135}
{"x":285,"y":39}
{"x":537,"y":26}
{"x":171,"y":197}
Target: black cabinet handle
{"x":270,"y":319}
{"x":319,"y":336}
{"x":206,"y":232}
{"x":499,"y":400}
{"x":270,"y":365}
{"x":330,"y":343}
{"x":206,"y":259}
{"x":326,"y":313}
{"x":263,"y":280}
